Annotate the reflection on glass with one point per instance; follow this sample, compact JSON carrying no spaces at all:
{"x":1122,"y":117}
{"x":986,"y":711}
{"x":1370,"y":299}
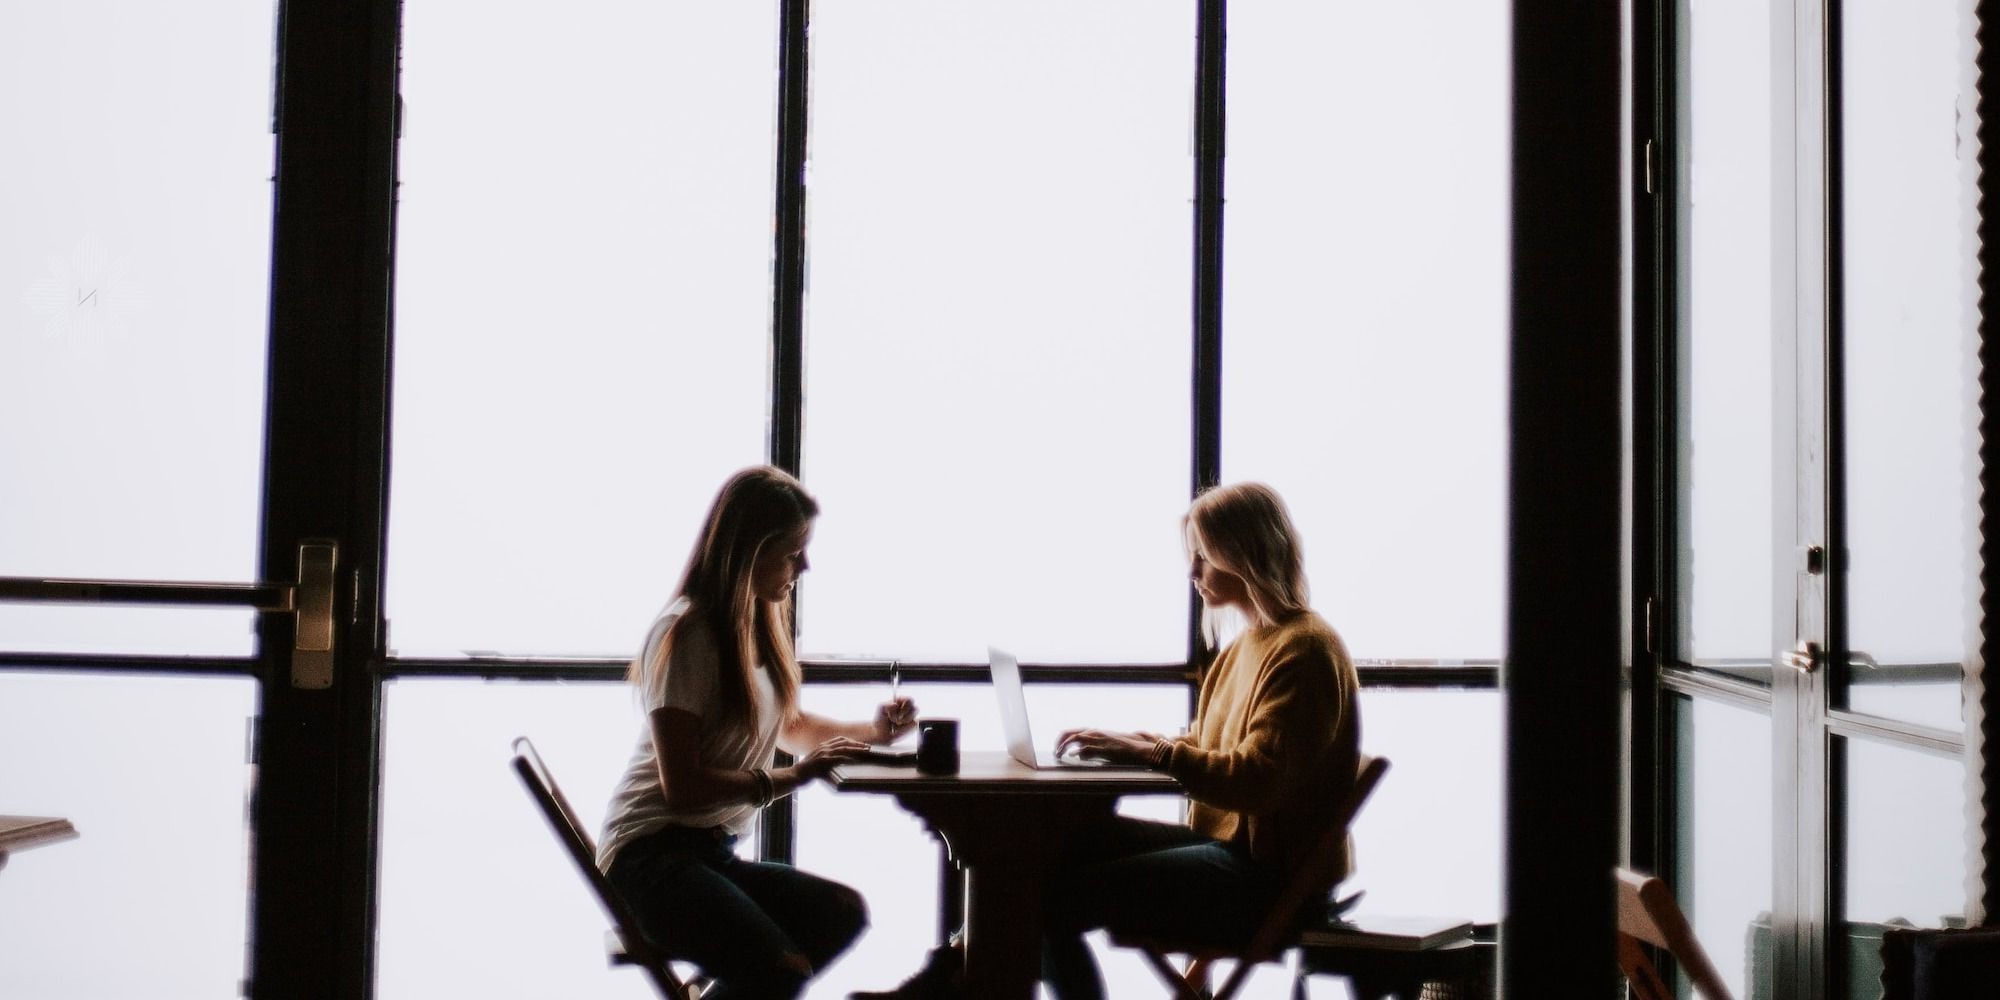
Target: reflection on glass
{"x":1722,"y":792}
{"x":477,"y":897}
{"x":149,"y":900}
{"x":1911,"y":365}
{"x":582,"y":311}
{"x":997,"y":349}
{"x":134,"y":266}
{"x":1365,"y":307}
{"x":1906,"y":848}
{"x":1726,"y":219}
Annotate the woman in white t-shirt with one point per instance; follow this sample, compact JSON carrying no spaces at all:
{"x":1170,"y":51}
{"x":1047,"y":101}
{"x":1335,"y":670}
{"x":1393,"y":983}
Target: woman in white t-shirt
{"x":720,"y":685}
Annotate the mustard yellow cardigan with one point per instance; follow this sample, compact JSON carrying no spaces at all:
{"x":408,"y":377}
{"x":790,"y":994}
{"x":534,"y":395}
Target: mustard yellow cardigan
{"x":1275,"y":742}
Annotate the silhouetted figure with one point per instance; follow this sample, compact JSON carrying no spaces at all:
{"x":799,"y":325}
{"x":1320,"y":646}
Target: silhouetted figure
{"x":720,"y":684}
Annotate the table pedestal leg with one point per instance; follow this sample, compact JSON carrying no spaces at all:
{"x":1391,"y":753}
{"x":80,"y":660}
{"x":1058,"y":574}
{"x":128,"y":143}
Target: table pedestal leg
{"x":1003,"y":933}
{"x":1006,"y":861}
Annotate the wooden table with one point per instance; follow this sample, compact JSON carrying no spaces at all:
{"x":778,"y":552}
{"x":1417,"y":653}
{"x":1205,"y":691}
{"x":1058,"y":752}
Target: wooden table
{"x":1003,"y":823}
{"x":18,"y":833}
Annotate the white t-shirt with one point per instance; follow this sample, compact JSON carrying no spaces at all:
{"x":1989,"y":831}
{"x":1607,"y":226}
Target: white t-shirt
{"x":689,"y":682}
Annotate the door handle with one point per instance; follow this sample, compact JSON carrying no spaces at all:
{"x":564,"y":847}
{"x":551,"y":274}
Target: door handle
{"x":310,"y":601}
{"x":312,"y":637}
{"x":1805,"y":657}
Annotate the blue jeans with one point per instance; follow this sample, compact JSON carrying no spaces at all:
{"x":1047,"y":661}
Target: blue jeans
{"x":745,"y":923}
{"x":1162,"y":881}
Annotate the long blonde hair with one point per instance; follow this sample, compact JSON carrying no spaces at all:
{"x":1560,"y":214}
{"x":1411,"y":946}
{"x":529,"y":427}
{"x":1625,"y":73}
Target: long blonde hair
{"x":757,"y":507}
{"x":1244,"y":528}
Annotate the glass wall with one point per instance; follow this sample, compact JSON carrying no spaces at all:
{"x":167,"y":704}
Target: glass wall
{"x":135,"y":235}
{"x":1727,"y":370}
{"x":1351,"y":273}
{"x":477,"y":896}
{"x":582,"y":313}
{"x":1425,"y":843}
{"x":1724,"y":876}
{"x":997,"y":365}
{"x":150,"y":899}
{"x":1907,"y":850}
{"x":1912,"y":398}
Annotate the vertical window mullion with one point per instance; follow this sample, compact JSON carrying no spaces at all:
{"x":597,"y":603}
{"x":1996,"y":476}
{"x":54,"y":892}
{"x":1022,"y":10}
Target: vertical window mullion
{"x":789,"y":250}
{"x":775,"y":827}
{"x":1210,"y":107}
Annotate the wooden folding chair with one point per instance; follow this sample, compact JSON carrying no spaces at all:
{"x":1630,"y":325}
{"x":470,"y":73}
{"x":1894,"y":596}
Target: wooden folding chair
{"x":1279,"y":931}
{"x":1647,"y":914}
{"x":628,"y":945}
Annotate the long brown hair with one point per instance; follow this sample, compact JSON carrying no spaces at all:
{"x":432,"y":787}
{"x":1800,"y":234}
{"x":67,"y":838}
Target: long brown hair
{"x":1245,"y":529}
{"x":757,"y":507}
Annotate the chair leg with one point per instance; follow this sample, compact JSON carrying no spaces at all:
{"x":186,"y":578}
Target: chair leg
{"x":1184,"y":989}
{"x":1197,"y":974}
{"x":1235,"y":981}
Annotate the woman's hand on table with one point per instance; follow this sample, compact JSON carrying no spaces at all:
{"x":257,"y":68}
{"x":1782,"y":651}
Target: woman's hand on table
{"x":823,"y":758}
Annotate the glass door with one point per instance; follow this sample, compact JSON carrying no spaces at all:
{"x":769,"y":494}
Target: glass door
{"x":190,"y":334}
{"x":1902,"y":397}
{"x":135,"y":245}
{"x":1825,"y":581}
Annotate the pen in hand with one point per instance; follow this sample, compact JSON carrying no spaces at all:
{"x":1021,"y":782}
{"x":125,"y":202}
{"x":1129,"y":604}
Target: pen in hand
{"x":900,"y":713}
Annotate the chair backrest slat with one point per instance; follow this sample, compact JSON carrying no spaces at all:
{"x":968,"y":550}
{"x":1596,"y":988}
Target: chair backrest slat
{"x":1647,"y":913}
{"x":1314,"y":878}
{"x":582,"y":852}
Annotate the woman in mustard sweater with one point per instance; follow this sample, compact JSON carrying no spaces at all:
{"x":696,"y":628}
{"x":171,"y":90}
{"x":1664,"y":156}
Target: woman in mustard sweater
{"x":1272,"y":751}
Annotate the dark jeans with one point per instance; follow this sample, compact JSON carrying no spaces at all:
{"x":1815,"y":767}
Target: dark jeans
{"x":1162,"y":881}
{"x":745,"y":923}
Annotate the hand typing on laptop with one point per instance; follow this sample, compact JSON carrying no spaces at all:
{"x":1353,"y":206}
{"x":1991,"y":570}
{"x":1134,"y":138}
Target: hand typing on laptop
{"x":1116,"y":748}
{"x":1014,"y":723}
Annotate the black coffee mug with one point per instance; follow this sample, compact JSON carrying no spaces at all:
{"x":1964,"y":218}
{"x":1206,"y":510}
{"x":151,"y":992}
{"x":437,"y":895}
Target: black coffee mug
{"x":937,"y":746}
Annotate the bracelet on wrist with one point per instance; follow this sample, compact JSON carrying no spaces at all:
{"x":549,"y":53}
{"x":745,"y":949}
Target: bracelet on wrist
{"x":1163,"y":752}
{"x":767,"y":789}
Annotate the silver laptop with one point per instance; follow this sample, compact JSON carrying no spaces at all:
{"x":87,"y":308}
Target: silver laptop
{"x":1021,"y":743}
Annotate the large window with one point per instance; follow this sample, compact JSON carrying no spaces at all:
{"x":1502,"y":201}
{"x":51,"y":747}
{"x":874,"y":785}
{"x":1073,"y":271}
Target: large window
{"x":1364,"y":339}
{"x":582,"y":307}
{"x":1726,"y":348}
{"x":996,"y":333}
{"x":997,"y":328}
{"x":1823,"y":530}
{"x":148,"y":900}
{"x":135,"y":235}
{"x":1912,"y":391}
{"x":995,"y":372}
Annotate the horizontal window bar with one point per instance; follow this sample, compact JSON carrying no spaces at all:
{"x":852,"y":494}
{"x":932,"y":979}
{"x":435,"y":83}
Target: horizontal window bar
{"x":1942,"y":742}
{"x":1862,"y":669}
{"x":128,"y":664}
{"x":1704,"y":683}
{"x":1374,"y":673}
{"x":262,"y":596}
